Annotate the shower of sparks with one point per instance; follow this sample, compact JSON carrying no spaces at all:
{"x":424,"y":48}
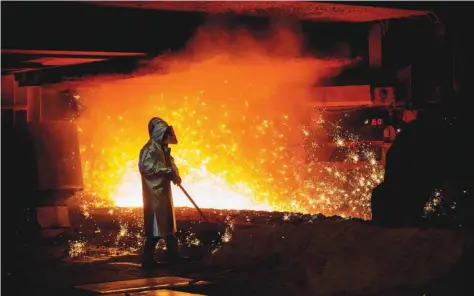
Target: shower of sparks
{"x":241,"y":119}
{"x":434,"y":202}
{"x":122,"y":233}
{"x":77,"y":249}
{"x":85,"y":210}
{"x":74,"y":105}
{"x":272,"y":179}
{"x":314,"y":187}
{"x":329,"y":188}
{"x":227,"y":236}
{"x":438,"y":205}
{"x":129,"y":237}
{"x":190,"y":239}
{"x":229,"y":230}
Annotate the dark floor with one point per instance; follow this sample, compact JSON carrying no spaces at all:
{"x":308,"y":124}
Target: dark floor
{"x":45,"y":266}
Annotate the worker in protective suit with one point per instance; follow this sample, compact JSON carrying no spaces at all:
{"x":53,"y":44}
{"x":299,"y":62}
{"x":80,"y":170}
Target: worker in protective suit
{"x":158,"y":170}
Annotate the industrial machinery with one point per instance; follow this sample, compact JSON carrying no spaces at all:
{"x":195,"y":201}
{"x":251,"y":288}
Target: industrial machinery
{"x":41,"y":163}
{"x":347,"y":120}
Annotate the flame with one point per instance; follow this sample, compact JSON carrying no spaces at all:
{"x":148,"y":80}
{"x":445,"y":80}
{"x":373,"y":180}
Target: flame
{"x":202,"y":185}
{"x":238,"y":111}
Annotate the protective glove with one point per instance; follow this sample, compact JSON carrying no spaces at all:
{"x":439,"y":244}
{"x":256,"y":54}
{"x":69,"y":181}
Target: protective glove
{"x":177,"y":180}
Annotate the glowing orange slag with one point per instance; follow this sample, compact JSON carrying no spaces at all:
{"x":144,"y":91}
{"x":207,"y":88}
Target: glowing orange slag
{"x":238,"y":116}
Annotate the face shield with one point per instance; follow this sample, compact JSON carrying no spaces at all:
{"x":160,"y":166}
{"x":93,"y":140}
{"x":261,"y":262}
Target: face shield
{"x":170,"y":136}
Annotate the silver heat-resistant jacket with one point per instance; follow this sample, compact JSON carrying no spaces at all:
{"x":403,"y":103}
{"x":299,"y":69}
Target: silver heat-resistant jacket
{"x":157,"y":168}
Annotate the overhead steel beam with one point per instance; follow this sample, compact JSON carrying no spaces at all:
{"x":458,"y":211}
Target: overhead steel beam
{"x":303,"y":10}
{"x":113,"y":66}
{"x":19,"y":60}
{"x":39,"y":52}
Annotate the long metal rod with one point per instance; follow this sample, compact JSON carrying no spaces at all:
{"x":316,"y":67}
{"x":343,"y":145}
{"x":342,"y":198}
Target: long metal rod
{"x":194,"y":204}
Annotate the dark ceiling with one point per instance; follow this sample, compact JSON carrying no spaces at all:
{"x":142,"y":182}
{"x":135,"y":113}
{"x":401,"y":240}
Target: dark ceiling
{"x":52,"y":35}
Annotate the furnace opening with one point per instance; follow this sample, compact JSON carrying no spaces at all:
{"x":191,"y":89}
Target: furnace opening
{"x":238,"y":104}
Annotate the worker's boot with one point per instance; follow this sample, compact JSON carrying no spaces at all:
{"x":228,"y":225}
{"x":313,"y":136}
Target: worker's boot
{"x":172,"y":252}
{"x":149,"y":253}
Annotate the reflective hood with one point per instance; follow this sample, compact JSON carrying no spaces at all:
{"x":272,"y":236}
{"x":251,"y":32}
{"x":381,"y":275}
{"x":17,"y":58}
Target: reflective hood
{"x":161,"y":132}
